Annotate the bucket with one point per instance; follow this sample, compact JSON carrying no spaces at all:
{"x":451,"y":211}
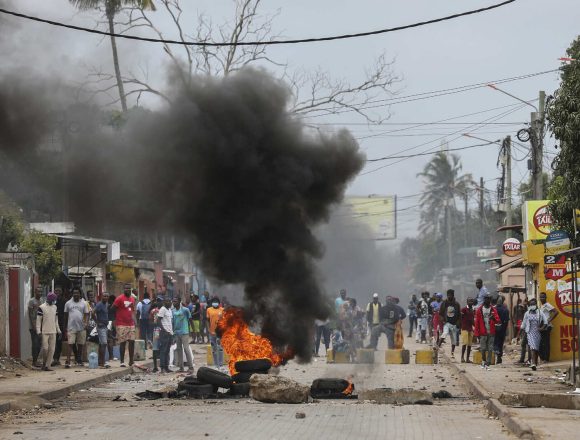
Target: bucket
{"x":93,"y":360}
{"x":139,"y":350}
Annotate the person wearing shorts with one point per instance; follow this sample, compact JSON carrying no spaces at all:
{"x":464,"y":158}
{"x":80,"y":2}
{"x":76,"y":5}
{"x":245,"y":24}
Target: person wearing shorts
{"x":467,"y":322}
{"x":76,"y":312}
{"x":450,"y":313}
{"x":102,"y":319}
{"x":125,"y":311}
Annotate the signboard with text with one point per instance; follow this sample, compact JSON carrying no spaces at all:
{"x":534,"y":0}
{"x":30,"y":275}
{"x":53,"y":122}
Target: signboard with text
{"x":537,"y":219}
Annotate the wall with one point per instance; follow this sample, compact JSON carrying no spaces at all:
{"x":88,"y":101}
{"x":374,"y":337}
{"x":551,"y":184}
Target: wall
{"x":4,"y":328}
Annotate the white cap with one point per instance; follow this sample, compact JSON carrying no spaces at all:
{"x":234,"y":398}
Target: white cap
{"x":375,"y":295}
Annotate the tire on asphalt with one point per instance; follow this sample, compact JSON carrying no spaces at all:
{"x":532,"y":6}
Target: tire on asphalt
{"x":214,"y":377}
{"x":245,"y":376}
{"x":253,"y":365}
{"x":334,"y":385}
{"x":197,"y":390}
{"x":240,"y":389}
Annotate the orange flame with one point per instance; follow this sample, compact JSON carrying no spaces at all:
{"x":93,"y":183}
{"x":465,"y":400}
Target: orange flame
{"x":241,"y":344}
{"x":350,"y":388}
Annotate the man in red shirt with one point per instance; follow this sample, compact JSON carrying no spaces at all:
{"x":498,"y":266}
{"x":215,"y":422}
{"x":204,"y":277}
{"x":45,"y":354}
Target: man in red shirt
{"x":486,"y":318}
{"x":467,"y":321}
{"x":124,"y":307}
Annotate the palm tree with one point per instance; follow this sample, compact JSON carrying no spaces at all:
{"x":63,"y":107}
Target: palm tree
{"x":112,"y":7}
{"x":443,"y":184}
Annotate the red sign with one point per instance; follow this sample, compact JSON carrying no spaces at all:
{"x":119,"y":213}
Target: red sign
{"x":512,"y":247}
{"x":551,"y":261}
{"x":555,"y":273}
{"x":564,"y":298}
{"x":543,"y":220}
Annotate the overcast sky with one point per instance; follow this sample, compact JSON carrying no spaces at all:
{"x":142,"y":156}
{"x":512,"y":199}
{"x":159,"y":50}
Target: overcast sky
{"x":525,"y":37}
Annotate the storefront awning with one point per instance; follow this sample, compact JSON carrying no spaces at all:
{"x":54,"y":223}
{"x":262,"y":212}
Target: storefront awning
{"x":518,"y":262}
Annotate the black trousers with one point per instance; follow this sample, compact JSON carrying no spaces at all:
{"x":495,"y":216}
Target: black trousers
{"x":545,"y":344}
{"x":322,"y":331}
{"x":36,"y":340}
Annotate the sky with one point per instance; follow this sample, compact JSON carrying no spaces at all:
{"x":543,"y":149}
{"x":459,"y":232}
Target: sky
{"x":522,"y":38}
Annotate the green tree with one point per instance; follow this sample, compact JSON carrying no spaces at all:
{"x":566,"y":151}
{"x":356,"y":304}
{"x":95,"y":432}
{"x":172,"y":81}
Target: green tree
{"x":563,"y":114}
{"x":112,"y":8}
{"x":47,"y":259}
{"x":11,"y":228}
{"x":443,"y":184}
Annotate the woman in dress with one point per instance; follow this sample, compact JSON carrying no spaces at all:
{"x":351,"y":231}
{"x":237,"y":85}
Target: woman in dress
{"x":532,"y":324}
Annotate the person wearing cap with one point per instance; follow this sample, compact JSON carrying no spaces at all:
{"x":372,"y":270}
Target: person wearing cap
{"x":390,"y":314}
{"x":373,"y":312}
{"x":48,"y":329}
{"x":486,"y":318}
{"x":423,"y":315}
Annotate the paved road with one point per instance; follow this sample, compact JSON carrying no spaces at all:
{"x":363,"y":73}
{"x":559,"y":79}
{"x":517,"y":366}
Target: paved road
{"x":92,"y":413}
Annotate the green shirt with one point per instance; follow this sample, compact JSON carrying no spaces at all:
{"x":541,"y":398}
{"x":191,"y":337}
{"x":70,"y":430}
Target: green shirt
{"x":181,"y":319}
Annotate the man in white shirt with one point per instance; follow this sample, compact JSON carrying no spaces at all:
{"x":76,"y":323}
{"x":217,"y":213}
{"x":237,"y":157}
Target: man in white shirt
{"x":550,"y":313}
{"x":164,"y":321}
{"x":47,"y":328}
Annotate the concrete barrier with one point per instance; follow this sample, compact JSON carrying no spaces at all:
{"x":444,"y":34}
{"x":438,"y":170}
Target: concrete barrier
{"x":426,"y":357}
{"x":397,"y":356}
{"x":365,"y":356}
{"x":477,"y":357}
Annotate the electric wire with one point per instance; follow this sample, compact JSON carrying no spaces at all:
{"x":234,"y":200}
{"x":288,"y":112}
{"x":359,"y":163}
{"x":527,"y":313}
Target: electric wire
{"x":255,"y":43}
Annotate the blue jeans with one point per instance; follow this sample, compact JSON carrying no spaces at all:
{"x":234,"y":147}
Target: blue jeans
{"x":146,"y":330}
{"x":165,"y":339}
{"x":216,"y":349}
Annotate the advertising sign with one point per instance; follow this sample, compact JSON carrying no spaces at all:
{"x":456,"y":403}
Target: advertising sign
{"x":557,"y":241}
{"x":512,"y":247}
{"x":536,"y":219}
{"x":560,"y":294}
{"x":377,"y":212}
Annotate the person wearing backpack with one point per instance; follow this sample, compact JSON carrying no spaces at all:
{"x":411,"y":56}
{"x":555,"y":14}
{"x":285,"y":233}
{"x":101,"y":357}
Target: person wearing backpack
{"x":145,"y":327}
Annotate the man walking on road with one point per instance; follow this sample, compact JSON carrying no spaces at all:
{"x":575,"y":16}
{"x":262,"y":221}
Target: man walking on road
{"x":481,"y":292}
{"x":338,"y":302}
{"x":60,"y":303}
{"x":373,"y":312}
{"x":165,"y":323}
{"x":423,"y":314}
{"x":450,"y":314}
{"x":486,"y":318}
{"x":550,"y":313}
{"x":35,"y":338}
{"x":48,"y":329}
{"x":412,"y":314}
{"x":102,"y":319}
{"x":467,"y":323}
{"x":76,"y":311}
{"x":180,"y":321}
{"x":501,"y":330}
{"x":124,"y":307}
{"x":390,"y":314}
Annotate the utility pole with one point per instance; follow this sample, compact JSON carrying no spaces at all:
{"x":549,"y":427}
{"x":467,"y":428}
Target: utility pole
{"x":449,"y":240}
{"x":537,"y":142}
{"x":507,"y":149}
{"x":481,"y":210}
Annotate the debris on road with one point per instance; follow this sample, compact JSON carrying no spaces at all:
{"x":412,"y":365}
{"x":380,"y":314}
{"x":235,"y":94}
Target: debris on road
{"x":278,"y":389}
{"x":403,"y":396}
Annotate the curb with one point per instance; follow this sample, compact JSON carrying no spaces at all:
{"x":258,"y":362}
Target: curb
{"x":511,"y":422}
{"x":64,"y":391}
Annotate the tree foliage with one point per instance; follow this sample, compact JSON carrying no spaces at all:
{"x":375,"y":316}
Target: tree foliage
{"x":563,"y":114}
{"x":11,"y":229}
{"x":47,"y":259}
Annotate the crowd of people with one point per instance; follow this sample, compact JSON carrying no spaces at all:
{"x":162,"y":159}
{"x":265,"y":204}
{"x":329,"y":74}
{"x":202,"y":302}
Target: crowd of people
{"x":166,"y":325}
{"x":484,"y":319}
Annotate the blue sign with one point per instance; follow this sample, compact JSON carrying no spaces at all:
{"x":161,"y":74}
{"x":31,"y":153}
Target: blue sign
{"x":557,"y":235}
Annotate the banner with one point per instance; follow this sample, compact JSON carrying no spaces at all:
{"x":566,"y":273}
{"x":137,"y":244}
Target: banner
{"x":536,"y":219}
{"x":377,"y":212}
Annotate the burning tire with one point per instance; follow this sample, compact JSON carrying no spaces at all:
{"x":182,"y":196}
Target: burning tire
{"x":214,"y":377}
{"x":333,"y":385}
{"x":197,"y":390}
{"x":245,"y":376}
{"x":240,"y":389}
{"x":253,"y":366}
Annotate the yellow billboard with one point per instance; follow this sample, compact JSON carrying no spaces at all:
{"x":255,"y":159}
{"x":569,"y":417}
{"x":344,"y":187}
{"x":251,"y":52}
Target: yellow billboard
{"x":377,"y":212}
{"x":537,"y":221}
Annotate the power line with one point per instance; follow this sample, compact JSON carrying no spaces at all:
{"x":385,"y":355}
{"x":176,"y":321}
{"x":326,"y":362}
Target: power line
{"x":255,"y":43}
{"x":427,"y":153}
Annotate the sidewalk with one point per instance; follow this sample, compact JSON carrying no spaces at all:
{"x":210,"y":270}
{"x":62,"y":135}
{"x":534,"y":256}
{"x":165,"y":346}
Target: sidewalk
{"x":532,"y":404}
{"x":31,"y":387}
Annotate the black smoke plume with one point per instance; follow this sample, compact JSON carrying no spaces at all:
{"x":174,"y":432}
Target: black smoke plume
{"x":226,"y":164}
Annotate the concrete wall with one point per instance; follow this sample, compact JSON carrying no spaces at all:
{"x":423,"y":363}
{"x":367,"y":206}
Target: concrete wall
{"x":25,"y":287}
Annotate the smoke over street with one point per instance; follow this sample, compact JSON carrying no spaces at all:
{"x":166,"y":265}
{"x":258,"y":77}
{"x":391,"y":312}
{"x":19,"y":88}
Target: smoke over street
{"x":224,"y":164}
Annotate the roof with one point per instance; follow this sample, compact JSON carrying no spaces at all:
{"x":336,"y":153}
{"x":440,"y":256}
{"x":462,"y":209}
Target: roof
{"x":518,"y":262}
{"x":85,"y":239}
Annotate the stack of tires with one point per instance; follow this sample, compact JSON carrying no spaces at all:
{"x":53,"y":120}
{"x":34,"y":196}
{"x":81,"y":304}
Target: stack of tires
{"x":245,"y":370}
{"x":208,"y":380}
